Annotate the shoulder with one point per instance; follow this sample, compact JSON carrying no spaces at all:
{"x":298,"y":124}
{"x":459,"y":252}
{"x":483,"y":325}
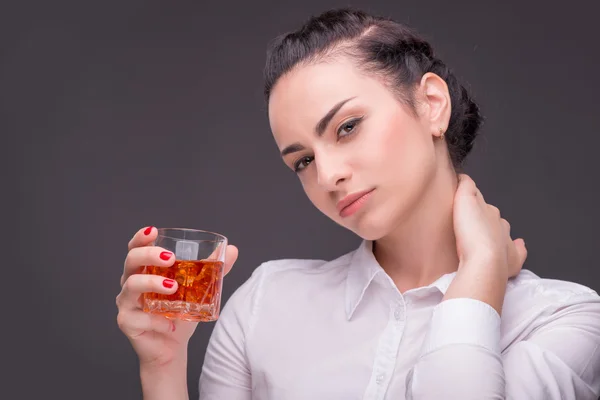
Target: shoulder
{"x":288,"y":278}
{"x":532,"y":302}
{"x":531,"y":290}
{"x":301,"y":270}
{"x":552,"y":326}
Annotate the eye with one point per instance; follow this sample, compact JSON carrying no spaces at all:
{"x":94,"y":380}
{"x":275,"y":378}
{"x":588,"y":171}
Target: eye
{"x":348,"y":128}
{"x":302,"y":163}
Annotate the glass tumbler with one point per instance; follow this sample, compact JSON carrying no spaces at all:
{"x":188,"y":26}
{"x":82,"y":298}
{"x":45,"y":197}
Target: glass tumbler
{"x":198,"y":270}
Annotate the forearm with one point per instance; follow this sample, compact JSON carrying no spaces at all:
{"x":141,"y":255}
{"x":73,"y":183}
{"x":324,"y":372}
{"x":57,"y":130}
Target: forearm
{"x":479,"y":280}
{"x":165,"y":382}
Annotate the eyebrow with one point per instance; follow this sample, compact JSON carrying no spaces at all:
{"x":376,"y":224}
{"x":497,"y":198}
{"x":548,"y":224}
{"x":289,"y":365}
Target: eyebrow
{"x":319,"y":128}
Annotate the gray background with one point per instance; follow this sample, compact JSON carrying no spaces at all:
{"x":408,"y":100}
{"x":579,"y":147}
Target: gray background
{"x":116,"y":115}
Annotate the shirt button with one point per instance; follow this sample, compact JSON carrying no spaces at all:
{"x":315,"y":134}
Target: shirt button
{"x":379,"y":379}
{"x":398,"y":314}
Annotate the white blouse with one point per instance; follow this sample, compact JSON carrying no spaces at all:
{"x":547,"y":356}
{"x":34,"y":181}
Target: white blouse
{"x":312,"y":330}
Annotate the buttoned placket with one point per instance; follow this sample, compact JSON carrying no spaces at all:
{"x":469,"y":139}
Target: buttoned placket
{"x":387,"y":349}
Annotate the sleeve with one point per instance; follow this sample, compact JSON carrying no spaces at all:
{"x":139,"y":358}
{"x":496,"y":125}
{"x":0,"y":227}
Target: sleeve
{"x":225,"y":371}
{"x":461,"y":357}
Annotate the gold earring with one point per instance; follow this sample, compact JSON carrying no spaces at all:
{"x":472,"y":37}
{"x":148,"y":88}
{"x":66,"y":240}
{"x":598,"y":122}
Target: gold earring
{"x":442,"y":133}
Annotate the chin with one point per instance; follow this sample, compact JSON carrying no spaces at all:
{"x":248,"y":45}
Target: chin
{"x":372,"y":224}
{"x":380,"y":220}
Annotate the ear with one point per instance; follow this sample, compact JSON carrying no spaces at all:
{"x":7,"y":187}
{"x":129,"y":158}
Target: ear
{"x":436,"y":103}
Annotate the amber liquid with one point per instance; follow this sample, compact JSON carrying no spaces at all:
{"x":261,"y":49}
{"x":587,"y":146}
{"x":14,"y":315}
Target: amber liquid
{"x":198,"y":295}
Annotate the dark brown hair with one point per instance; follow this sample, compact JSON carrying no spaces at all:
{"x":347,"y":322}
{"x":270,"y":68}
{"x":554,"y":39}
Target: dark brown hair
{"x":381,"y":46}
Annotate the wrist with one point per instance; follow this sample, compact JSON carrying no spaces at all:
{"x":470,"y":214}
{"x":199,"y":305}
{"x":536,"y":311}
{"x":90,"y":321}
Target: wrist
{"x":151,"y":368}
{"x":480,"y":279}
{"x":166,"y":380}
{"x":493,"y":266}
{"x":165,"y":358}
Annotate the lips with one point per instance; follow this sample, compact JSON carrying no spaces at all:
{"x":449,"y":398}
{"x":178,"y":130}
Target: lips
{"x":351,"y":198}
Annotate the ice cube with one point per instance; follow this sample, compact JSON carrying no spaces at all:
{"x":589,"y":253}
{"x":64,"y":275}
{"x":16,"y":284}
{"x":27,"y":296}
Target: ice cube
{"x":186,"y":250}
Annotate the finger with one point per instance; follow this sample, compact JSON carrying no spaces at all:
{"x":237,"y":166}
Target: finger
{"x":495,"y":211}
{"x":143,"y":237}
{"x":139,"y":257}
{"x":521,"y":250}
{"x":467,"y":186}
{"x":506,"y":226}
{"x":462,"y":177}
{"x":231,"y":255}
{"x":480,"y":196}
{"x":134,"y":323}
{"x":135,"y":285}
{"x":516,"y":257}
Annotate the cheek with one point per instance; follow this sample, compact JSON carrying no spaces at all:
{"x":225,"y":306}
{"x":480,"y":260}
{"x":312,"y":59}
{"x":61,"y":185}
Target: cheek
{"x":392,"y":149}
{"x":317,"y":196}
{"x":403,"y":158}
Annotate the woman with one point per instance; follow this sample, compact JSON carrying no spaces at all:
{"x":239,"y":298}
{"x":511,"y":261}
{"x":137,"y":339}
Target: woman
{"x":432,"y":305}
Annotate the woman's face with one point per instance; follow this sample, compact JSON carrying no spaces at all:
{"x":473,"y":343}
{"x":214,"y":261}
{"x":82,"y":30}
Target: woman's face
{"x":345,"y":134}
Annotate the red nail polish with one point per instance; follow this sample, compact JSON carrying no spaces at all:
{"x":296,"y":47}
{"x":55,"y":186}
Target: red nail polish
{"x":168,"y":283}
{"x":165,"y":255}
{"x":148,"y":230}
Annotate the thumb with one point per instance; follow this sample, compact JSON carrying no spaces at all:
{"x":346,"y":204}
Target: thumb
{"x":231,"y":255}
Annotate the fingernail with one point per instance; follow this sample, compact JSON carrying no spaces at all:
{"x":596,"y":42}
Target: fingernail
{"x":168,"y":283}
{"x":148,"y":230}
{"x":165,"y":255}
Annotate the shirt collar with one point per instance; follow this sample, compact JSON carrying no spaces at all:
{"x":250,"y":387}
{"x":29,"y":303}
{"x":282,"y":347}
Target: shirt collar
{"x":364,"y":268}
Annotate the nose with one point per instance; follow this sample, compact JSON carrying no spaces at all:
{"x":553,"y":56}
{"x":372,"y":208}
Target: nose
{"x":332,"y":171}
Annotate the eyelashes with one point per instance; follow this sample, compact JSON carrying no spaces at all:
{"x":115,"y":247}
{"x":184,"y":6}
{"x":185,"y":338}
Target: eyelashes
{"x":302,"y":163}
{"x":352,"y":124}
{"x":345,"y":130}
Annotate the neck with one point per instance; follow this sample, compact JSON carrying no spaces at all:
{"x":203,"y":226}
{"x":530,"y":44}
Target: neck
{"x":422,"y":247}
